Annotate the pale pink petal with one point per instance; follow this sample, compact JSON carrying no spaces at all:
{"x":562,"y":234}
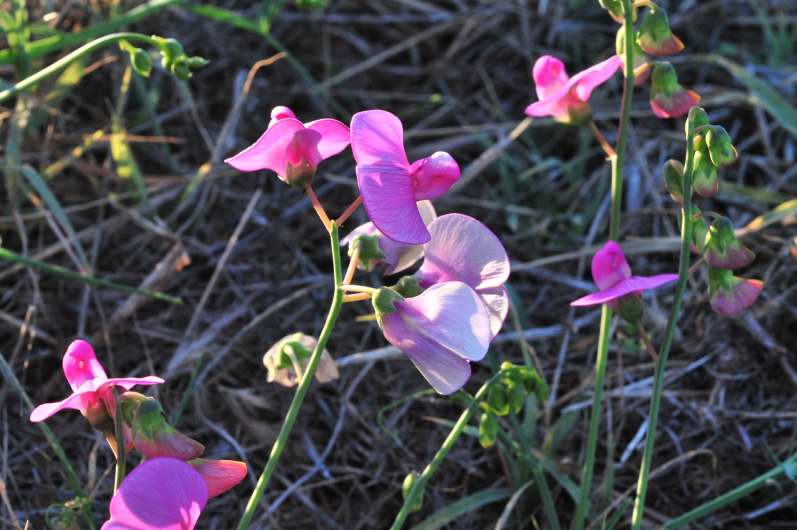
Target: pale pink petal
{"x":129,"y":382}
{"x":609,"y":265}
{"x":497,"y":301}
{"x":377,"y":137}
{"x":389,"y":201}
{"x":676,"y":106}
{"x":268,"y":152}
{"x":434,"y":175}
{"x":219,"y":475}
{"x":77,"y":401}
{"x":463,"y":249}
{"x":634,"y":284}
{"x":586,"y":81}
{"x":449,"y":314}
{"x":159,"y":494}
{"x":446,"y":371}
{"x":335,"y":136}
{"x":280,"y":112}
{"x":80,"y":365}
{"x":549,"y":76}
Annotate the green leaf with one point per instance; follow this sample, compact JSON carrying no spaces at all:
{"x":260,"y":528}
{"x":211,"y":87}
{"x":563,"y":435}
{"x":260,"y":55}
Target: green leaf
{"x":442,"y":517}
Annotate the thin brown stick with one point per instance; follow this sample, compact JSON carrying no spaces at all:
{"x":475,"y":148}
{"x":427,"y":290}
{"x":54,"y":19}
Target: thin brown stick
{"x":350,"y":210}
{"x":607,"y":147}
{"x":319,"y":208}
{"x":353,"y":262}
{"x":359,"y":297}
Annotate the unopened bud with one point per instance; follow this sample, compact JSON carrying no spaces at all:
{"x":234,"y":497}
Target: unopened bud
{"x":615,"y":9}
{"x":668,"y":99}
{"x":705,"y":178}
{"x":293,"y":351}
{"x":731,"y":295}
{"x":673,"y":173}
{"x":723,"y":249}
{"x":697,"y":118}
{"x":498,"y":400}
{"x":407,"y":485}
{"x":488,"y":429}
{"x":655,"y":35}
{"x":154,"y":437}
{"x":641,"y":66}
{"x":720,"y":146}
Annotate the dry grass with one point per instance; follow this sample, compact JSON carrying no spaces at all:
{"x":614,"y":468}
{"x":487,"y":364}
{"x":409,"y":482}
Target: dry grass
{"x":457,"y":73}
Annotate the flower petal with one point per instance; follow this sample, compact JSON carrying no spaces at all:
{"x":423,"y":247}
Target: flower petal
{"x":586,"y":81}
{"x":219,"y":475}
{"x":742,"y":295}
{"x":549,"y":75}
{"x":434,"y":175}
{"x":497,"y":301}
{"x":129,"y":382}
{"x":160,"y":493}
{"x":80,"y":365}
{"x":389,"y":201}
{"x":335,"y":136}
{"x":633,"y":284}
{"x":377,"y":136}
{"x":268,"y":152}
{"x":280,"y":112}
{"x":77,"y":401}
{"x":463,"y":249}
{"x":609,"y":265}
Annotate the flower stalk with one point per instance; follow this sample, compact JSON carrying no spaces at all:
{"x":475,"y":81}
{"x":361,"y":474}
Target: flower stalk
{"x":307,"y":378}
{"x":661,"y":362}
{"x":617,"y":163}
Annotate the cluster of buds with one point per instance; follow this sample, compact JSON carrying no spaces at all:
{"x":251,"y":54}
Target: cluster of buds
{"x":173,"y":58}
{"x":145,"y":429}
{"x":654,"y":38}
{"x":712,"y":148}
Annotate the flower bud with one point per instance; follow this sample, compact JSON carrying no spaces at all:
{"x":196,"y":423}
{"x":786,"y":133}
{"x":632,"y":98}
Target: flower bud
{"x":731,"y":295}
{"x":704,"y":175}
{"x":170,"y":50}
{"x":488,"y":429}
{"x":641,"y":66}
{"x":723,"y":249}
{"x":655,"y":35}
{"x":668,"y":99}
{"x":368,"y":247}
{"x":516,"y":396}
{"x":406,"y":486}
{"x":283,"y":358}
{"x":498,"y":400}
{"x":615,"y":9}
{"x":697,"y":118}
{"x":673,"y":173}
{"x":699,"y":231}
{"x":720,"y":146}
{"x":152,"y":435}
{"x":139,"y":59}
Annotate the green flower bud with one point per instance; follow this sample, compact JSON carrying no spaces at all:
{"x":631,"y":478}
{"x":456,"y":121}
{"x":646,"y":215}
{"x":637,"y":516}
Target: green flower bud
{"x":697,"y":118}
{"x":699,"y":231}
{"x":151,"y":433}
{"x":406,"y":486}
{"x":723,"y":249}
{"x":641,"y":67}
{"x":498,"y":400}
{"x":729,"y":294}
{"x":488,"y":429}
{"x":655,"y":36}
{"x":615,"y":9}
{"x":705,"y":178}
{"x":516,"y":395}
{"x":720,"y":146}
{"x":673,"y":173}
{"x":170,"y":50}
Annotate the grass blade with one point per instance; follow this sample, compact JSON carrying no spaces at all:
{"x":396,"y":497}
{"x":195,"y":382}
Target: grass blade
{"x":470,"y":503}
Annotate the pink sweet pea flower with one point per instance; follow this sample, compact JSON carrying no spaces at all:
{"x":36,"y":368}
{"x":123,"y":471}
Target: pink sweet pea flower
{"x":398,"y":256}
{"x":91,"y":387}
{"x":566,"y":98}
{"x":159,"y":494}
{"x":441,"y":331}
{"x":612,"y":275}
{"x":463,"y":249}
{"x":389,"y":185}
{"x":293,"y":149}
{"x":219,"y":475}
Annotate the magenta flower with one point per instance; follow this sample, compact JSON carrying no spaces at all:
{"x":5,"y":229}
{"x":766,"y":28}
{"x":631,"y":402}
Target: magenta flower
{"x":463,"y":249}
{"x":91,"y":388}
{"x":612,"y":275}
{"x":398,"y":256}
{"x":563,"y":97}
{"x":441,"y":331}
{"x":389,"y":185}
{"x":293,"y":149}
{"x":159,"y":494}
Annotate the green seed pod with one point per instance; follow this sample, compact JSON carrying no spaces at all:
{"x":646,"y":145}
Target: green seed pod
{"x":406,"y":486}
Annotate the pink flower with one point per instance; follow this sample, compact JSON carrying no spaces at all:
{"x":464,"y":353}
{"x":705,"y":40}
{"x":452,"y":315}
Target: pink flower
{"x":612,"y":275}
{"x":169,"y":494}
{"x":389,"y":185}
{"x":738,"y":296}
{"x":441,"y":331}
{"x":463,"y":249}
{"x":159,"y":494}
{"x":563,"y":97}
{"x":293,"y":149}
{"x":398,"y":256}
{"x":91,"y":387}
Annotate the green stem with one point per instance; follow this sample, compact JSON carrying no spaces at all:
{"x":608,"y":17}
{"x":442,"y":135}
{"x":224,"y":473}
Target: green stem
{"x":617,"y":163}
{"x":304,"y":385}
{"x":63,"y":62}
{"x":71,"y":476}
{"x":789,"y":468}
{"x":661,"y":362}
{"x":420,"y":483}
{"x":121,"y":444}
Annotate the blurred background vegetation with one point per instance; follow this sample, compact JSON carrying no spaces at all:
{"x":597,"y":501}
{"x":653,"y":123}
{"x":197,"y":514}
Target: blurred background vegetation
{"x":113,"y":187}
